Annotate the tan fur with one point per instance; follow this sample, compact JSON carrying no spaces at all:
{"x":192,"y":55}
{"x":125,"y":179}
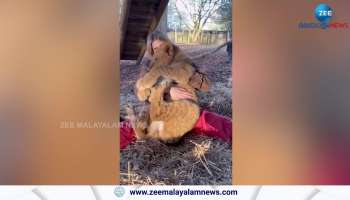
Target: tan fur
{"x":168,"y":62}
{"x":166,"y":121}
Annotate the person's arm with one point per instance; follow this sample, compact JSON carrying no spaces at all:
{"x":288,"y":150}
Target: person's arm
{"x":178,"y":93}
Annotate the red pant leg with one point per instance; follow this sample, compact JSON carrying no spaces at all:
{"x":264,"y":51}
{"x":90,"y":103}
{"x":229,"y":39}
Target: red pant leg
{"x":214,"y":125}
{"x":209,"y":124}
{"x":127,"y":134}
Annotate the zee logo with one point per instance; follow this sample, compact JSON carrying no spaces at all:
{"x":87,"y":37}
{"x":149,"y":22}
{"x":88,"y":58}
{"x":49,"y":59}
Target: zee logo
{"x":323,"y":13}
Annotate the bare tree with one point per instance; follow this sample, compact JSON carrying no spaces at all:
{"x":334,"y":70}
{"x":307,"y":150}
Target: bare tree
{"x":196,"y":13}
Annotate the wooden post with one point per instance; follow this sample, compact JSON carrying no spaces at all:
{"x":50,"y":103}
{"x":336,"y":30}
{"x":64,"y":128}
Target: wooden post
{"x":188,"y":38}
{"x":211,"y":37}
{"x":124,"y":23}
{"x":207,"y":38}
{"x":182,"y":36}
{"x":175,"y":35}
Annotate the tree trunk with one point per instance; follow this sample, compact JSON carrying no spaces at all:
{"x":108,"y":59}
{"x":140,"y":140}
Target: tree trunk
{"x":195,"y":34}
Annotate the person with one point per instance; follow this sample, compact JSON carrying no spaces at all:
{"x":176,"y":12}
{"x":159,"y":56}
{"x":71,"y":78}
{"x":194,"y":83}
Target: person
{"x":209,"y":124}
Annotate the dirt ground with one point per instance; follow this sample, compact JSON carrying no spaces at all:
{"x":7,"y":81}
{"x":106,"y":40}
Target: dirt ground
{"x":152,"y":162}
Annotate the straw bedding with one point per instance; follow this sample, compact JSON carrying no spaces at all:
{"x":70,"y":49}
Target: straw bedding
{"x":195,"y":160}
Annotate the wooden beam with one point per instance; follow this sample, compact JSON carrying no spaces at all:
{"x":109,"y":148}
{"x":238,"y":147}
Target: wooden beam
{"x":158,"y":15}
{"x":124,"y":24}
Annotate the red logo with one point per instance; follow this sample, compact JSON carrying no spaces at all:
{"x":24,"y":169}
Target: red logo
{"x":338,"y":25}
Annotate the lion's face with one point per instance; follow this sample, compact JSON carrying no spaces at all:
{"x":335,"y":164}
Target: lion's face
{"x":162,"y":52}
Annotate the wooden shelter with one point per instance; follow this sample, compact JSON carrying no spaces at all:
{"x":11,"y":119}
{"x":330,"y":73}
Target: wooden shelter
{"x":138,"y":19}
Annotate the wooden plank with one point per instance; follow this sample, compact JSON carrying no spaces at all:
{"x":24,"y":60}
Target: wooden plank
{"x":135,"y":45}
{"x":134,"y":26}
{"x":145,"y":2}
{"x":133,"y":48}
{"x":135,"y":40}
{"x":142,"y":9}
{"x":131,"y":53}
{"x":145,"y":18}
{"x":128,"y":56}
{"x":137,"y":33}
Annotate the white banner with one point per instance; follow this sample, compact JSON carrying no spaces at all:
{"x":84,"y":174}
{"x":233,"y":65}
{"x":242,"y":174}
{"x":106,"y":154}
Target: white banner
{"x":175,"y":192}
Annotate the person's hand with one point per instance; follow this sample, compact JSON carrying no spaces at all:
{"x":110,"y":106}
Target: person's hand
{"x":178,"y":93}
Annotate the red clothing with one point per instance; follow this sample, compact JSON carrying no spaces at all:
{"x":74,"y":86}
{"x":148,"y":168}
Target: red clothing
{"x":209,"y":124}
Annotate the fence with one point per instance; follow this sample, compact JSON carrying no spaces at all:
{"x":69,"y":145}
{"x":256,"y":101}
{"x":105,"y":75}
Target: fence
{"x":205,"y":37}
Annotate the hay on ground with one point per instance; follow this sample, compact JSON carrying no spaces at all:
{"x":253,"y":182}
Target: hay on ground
{"x":195,"y":160}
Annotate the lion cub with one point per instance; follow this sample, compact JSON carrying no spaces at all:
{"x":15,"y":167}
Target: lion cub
{"x":166,"y":121}
{"x":168,"y":62}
